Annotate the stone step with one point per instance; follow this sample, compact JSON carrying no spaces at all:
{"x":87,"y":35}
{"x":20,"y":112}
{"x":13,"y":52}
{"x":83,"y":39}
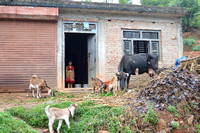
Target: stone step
{"x":76,"y":90}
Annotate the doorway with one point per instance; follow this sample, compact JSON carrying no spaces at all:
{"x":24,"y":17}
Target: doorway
{"x":80,"y":48}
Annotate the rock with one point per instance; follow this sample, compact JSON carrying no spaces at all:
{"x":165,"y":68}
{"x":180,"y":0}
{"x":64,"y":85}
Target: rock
{"x":181,"y":123}
{"x":190,"y":120}
{"x":168,"y":130}
{"x":163,"y":131}
{"x":103,"y":131}
{"x":161,"y":125}
{"x":45,"y":130}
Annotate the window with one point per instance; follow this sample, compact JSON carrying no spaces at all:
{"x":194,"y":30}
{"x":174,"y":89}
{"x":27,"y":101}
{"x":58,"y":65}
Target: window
{"x":131,"y":34}
{"x":141,"y":41}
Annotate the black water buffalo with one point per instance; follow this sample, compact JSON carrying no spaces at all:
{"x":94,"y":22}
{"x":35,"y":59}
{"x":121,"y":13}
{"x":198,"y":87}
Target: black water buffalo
{"x":129,"y":63}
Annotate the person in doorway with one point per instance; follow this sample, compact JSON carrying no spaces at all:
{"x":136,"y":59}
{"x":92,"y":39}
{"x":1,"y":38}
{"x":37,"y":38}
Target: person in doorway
{"x":70,"y":74}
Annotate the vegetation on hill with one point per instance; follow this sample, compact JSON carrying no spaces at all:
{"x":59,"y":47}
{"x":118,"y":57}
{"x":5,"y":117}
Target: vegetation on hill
{"x":190,"y":20}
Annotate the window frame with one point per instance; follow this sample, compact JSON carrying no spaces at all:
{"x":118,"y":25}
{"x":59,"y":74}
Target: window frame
{"x":142,"y":39}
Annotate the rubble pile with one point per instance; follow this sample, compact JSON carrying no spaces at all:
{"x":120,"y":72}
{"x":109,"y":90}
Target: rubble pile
{"x":172,"y":87}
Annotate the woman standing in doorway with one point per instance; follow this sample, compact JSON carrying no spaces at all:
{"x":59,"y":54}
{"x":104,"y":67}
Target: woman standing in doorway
{"x":70,"y":74}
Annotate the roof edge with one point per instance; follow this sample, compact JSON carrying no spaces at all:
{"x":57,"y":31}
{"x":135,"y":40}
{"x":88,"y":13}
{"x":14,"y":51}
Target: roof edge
{"x":97,"y":6}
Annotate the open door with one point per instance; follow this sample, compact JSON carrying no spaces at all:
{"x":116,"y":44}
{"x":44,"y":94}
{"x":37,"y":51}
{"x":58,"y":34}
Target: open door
{"x":91,"y":58}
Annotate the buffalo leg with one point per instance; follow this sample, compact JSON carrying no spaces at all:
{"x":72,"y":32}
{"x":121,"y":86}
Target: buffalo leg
{"x":128,"y":79}
{"x":137,"y":77}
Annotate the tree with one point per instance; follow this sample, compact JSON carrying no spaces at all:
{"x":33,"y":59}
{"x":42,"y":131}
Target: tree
{"x":155,"y":2}
{"x":191,"y":19}
{"x":192,"y":7}
{"x":125,"y":1}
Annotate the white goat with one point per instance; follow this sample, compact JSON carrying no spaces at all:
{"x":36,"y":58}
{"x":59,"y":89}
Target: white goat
{"x":61,"y":114}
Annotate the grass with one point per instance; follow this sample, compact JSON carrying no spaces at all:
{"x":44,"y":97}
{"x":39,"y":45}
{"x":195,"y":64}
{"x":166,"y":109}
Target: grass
{"x":172,"y":109}
{"x":196,"y":48}
{"x":10,"y":125}
{"x":175,"y":125}
{"x":189,"y":42}
{"x":88,"y":118}
{"x":197,"y":126}
{"x":150,"y":116}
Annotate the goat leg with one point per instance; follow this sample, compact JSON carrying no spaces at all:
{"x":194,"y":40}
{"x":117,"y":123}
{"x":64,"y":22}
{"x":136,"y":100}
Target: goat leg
{"x":38,"y":93}
{"x":67,"y":122}
{"x":33,"y":93}
{"x":28,"y":93}
{"x":59,"y":125}
{"x":50,"y":126}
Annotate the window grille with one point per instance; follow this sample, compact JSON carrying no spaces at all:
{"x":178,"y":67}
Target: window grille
{"x":131,"y":34}
{"x":149,"y":35}
{"x":127,"y":47}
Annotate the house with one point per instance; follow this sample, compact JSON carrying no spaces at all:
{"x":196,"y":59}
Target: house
{"x":40,"y":37}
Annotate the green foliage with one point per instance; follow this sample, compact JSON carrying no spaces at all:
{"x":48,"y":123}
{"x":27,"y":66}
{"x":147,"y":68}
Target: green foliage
{"x":175,"y":125}
{"x":125,"y":1}
{"x":197,"y":128}
{"x":88,"y":117}
{"x":189,"y":42}
{"x":106,"y":94}
{"x":151,"y":116}
{"x":192,"y":104}
{"x":71,"y":96}
{"x":191,"y":19}
{"x":192,"y":8}
{"x":10,"y":125}
{"x":87,"y":102}
{"x":196,"y":48}
{"x":128,"y":130}
{"x":61,"y":94}
{"x":155,"y":2}
{"x":172,"y":109}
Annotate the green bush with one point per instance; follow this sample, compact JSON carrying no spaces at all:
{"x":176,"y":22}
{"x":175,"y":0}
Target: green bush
{"x":88,"y":118}
{"x":197,"y":128}
{"x":151,"y":116}
{"x":189,"y":42}
{"x":10,"y":125}
{"x":196,"y":48}
{"x":172,"y":109}
{"x":175,"y":125}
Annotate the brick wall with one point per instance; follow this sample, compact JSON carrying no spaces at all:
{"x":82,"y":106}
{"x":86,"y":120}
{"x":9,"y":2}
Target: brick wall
{"x":113,"y":31}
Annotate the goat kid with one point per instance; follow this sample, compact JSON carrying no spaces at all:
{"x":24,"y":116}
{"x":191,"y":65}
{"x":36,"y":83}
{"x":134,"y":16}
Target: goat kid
{"x":99,"y":85}
{"x":38,"y":84}
{"x":60,"y":114}
{"x":114,"y":86}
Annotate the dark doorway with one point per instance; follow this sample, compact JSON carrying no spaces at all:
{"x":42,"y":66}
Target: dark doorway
{"x":140,"y":47}
{"x":76,"y":50}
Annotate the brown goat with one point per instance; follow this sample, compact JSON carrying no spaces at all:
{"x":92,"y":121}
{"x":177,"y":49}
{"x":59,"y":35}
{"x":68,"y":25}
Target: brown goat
{"x":98,"y":84}
{"x":114,"y":85}
{"x":38,"y":84}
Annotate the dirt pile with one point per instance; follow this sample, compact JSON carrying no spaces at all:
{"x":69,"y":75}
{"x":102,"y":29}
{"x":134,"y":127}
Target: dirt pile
{"x":172,"y":86}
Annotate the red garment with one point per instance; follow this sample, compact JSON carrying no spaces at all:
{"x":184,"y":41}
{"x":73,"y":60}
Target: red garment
{"x":70,"y":68}
{"x":70,"y":74}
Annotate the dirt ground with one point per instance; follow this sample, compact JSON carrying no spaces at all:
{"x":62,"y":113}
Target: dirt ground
{"x":8,"y":100}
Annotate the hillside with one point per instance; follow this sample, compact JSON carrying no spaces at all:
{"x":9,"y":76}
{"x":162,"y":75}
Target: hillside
{"x":194,"y":34}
